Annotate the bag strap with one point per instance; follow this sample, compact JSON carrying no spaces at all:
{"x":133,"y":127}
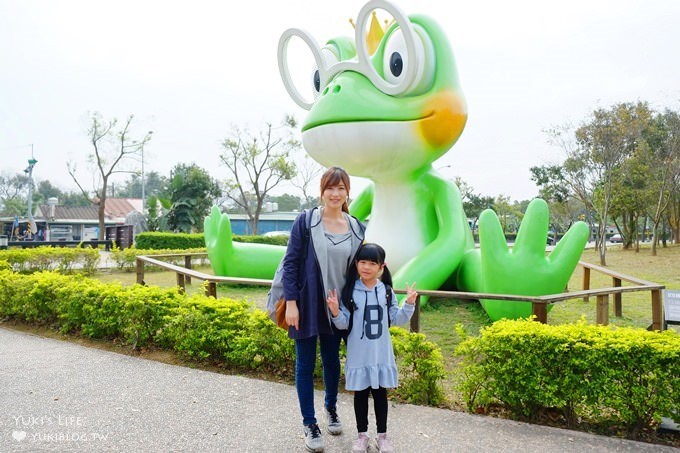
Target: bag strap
{"x":388,"y":296}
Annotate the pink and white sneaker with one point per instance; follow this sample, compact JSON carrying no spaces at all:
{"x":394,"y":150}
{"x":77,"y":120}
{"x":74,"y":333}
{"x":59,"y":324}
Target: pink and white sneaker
{"x":384,"y":444}
{"x":360,"y":445}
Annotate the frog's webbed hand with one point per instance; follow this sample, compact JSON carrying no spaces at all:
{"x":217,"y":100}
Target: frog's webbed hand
{"x":218,"y":240}
{"x":525,"y":269}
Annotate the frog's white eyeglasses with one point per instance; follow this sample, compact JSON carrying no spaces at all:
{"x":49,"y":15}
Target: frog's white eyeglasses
{"x":327,"y":68}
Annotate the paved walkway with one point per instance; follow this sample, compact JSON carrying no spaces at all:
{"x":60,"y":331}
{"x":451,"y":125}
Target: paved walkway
{"x":59,"y":396}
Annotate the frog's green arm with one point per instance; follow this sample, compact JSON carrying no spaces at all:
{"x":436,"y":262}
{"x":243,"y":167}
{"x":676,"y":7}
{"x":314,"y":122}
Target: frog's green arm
{"x":437,"y":262}
{"x":361,"y":206}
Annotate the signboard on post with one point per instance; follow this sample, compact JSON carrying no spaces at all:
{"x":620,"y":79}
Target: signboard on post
{"x":671,"y":307}
{"x":671,"y":315}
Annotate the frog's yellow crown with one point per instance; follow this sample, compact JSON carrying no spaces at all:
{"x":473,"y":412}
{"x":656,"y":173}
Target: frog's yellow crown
{"x":375,"y":33}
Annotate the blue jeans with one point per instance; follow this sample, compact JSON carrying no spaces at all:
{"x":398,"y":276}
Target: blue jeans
{"x":305,"y":361}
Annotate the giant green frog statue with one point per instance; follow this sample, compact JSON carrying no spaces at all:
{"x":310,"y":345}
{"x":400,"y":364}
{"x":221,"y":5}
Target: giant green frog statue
{"x":385,"y":106}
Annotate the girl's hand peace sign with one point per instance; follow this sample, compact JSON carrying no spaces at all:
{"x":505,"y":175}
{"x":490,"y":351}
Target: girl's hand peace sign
{"x":411,"y":294}
{"x":332,"y":302}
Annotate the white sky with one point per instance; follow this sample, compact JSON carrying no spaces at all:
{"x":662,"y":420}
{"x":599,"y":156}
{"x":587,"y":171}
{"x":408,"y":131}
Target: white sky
{"x":190,"y":70}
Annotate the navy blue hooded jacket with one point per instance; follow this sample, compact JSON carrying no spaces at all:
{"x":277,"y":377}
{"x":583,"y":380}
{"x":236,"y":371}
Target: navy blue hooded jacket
{"x":304,"y":272}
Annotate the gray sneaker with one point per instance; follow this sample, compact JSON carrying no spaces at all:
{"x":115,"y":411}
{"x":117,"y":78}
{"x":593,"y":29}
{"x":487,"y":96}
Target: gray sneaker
{"x":334,"y":425}
{"x":313,"y":438}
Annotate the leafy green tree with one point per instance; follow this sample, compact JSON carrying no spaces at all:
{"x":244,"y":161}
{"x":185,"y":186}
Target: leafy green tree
{"x":664,"y":168}
{"x":154,"y":184}
{"x":287,"y":202}
{"x":192,"y":193}
{"x":554,"y":189}
{"x":156,"y":215}
{"x":473,"y":203}
{"x":13,"y":194}
{"x":630,"y":183}
{"x":47,"y":190}
{"x":257,"y":164}
{"x":504,"y":212}
{"x":594,"y":152}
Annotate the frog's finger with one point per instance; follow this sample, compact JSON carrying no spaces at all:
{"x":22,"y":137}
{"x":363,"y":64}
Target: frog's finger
{"x":570,"y":248}
{"x":533,"y":231}
{"x":492,"y":241}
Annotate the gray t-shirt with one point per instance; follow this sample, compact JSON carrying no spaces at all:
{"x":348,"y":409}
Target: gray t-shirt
{"x":338,"y":247}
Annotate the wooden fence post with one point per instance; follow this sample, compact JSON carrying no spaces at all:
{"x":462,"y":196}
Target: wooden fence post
{"x":618,"y":312}
{"x":187,"y":264}
{"x":415,"y":319}
{"x":180,"y":283}
{"x":586,"y":282}
{"x":540,"y":311}
{"x":602,"y":309}
{"x":211,"y":289}
{"x":140,"y":271}
{"x":657,"y":310}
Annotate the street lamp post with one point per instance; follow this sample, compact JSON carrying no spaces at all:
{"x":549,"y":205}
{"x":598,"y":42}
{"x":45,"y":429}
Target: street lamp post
{"x":29,"y":172}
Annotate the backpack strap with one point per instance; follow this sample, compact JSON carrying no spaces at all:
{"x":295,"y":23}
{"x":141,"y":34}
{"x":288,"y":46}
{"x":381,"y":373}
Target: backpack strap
{"x":308,"y":229}
{"x":388,"y":296}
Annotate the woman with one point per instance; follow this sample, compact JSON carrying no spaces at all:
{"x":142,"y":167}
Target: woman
{"x":319,"y":251}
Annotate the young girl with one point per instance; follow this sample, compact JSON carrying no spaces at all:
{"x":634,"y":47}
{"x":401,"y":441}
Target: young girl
{"x":367,"y":311}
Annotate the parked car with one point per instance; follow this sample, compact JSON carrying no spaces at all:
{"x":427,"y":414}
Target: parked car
{"x":277,"y":233}
{"x":551,"y":238}
{"x":616,"y":239}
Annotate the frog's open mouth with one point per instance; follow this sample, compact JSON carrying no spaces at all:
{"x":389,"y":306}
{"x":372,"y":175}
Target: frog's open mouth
{"x":310,"y":126}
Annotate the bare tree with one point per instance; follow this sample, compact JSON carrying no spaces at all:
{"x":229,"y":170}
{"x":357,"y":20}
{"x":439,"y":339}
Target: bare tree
{"x":112,"y":148}
{"x":307,"y":172}
{"x":257,"y":164}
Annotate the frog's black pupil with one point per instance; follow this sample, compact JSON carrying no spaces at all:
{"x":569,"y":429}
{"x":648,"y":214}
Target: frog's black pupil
{"x":317,"y":81}
{"x":396,"y":64}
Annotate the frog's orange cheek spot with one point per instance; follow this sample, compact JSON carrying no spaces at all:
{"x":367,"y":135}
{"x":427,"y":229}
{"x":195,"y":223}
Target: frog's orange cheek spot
{"x":445,"y":119}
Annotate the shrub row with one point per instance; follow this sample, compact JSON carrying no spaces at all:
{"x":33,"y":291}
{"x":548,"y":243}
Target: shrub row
{"x":63,"y":259}
{"x":623,"y":376}
{"x":182,"y":241}
{"x":125,"y":258}
{"x":223,"y":331}
{"x":177,"y":241}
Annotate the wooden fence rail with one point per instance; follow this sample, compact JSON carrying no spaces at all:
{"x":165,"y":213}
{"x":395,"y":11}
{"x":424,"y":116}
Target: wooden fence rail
{"x":539,"y":303}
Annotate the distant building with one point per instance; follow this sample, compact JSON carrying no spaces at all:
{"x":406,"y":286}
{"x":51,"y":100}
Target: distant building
{"x":74,"y":223}
{"x":269,"y":221}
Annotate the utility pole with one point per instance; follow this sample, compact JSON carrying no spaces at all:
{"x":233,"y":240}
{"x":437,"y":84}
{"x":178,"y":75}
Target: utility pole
{"x":29,"y":172}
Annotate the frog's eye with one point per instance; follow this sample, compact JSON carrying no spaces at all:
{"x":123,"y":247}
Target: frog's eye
{"x":329,"y":58}
{"x":396,"y":60}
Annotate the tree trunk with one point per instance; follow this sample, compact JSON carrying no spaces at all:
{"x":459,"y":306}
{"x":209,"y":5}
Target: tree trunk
{"x":602,"y":231}
{"x":102,"y":209}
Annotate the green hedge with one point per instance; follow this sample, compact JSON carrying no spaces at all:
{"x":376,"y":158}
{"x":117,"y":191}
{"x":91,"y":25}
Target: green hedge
{"x":421,"y":368}
{"x":620,"y":376}
{"x":182,"y":241}
{"x":63,"y":259}
{"x":176,"y":241}
{"x":232,"y":333}
{"x":125,"y":259}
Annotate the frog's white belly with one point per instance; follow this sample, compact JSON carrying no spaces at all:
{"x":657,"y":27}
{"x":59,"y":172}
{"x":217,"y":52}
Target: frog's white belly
{"x":395,"y":224}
